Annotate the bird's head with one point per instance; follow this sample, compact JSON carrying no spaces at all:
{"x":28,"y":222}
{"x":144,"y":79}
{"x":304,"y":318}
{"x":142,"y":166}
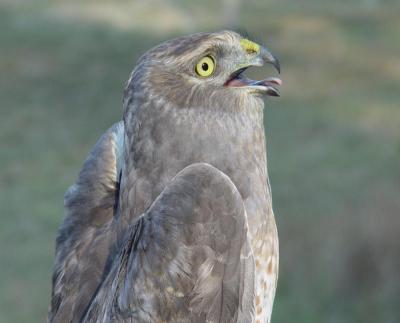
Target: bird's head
{"x":204,"y":69}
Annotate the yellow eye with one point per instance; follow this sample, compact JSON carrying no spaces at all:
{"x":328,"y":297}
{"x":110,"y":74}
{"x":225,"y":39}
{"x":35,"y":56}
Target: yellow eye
{"x":206,"y":66}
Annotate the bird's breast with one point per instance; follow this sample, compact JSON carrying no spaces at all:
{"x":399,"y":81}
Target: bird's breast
{"x":235,"y":144}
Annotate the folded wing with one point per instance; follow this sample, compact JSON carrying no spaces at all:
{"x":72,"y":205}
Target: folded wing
{"x":85,"y":237}
{"x":187,"y":259}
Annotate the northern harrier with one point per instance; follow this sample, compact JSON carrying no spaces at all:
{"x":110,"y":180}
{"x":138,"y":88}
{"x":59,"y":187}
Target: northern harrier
{"x":170,"y":219}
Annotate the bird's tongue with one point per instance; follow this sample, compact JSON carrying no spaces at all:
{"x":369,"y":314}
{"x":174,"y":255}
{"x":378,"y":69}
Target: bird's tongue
{"x":267,"y":84}
{"x":241,"y":81}
{"x":269,"y":81}
{"x":238,"y":82}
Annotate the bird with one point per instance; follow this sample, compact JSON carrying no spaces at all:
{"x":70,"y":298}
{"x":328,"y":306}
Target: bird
{"x":170,"y":218}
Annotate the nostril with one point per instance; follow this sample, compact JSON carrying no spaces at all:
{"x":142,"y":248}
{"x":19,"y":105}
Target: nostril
{"x":251,"y":51}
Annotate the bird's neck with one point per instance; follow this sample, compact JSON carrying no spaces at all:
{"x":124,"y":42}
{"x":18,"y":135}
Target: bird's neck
{"x":158,"y":146}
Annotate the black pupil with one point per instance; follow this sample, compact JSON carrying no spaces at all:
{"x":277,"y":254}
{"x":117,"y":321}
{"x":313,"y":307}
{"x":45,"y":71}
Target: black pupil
{"x":204,"y":66}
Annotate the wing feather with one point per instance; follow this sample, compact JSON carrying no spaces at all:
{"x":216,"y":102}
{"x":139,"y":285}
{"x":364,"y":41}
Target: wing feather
{"x":84,"y":239}
{"x":187,"y":259}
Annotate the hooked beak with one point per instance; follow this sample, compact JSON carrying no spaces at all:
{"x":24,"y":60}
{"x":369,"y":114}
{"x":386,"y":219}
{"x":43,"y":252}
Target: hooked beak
{"x":257,"y":58}
{"x":269,"y":58}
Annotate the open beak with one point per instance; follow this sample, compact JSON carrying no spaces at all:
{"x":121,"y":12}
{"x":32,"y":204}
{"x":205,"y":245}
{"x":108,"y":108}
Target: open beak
{"x":266,"y":86}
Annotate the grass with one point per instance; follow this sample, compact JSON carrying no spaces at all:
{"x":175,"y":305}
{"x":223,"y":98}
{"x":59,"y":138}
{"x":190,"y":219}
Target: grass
{"x":333,"y":142}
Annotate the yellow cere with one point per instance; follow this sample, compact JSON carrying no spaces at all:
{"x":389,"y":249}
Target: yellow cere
{"x":249,"y":46}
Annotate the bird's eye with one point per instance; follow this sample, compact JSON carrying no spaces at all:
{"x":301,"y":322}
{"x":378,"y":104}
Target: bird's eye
{"x":205,"y":67}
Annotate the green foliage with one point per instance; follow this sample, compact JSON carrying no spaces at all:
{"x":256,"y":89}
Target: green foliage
{"x":333,"y":140}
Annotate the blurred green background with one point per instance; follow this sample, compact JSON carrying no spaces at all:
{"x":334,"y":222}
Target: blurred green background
{"x":333,"y":137}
